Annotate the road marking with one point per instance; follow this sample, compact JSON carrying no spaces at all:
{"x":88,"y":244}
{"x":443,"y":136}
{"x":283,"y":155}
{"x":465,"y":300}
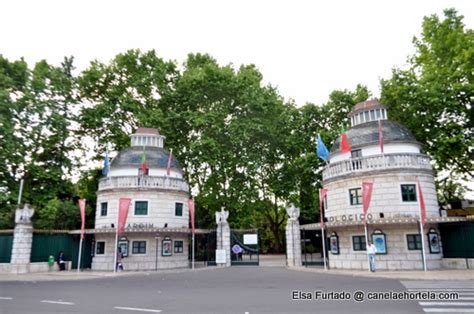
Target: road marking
{"x":6,"y":298}
{"x":57,"y":302}
{"x":466,"y":298}
{"x":447,"y":310}
{"x":136,"y":309}
{"x":446,"y":303}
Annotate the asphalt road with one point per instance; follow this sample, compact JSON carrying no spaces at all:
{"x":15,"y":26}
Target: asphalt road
{"x":232,"y":290}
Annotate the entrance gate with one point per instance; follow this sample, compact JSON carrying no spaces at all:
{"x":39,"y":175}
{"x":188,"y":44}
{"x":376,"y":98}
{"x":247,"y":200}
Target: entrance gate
{"x":311,"y":248}
{"x":205,"y":248}
{"x":244,"y":248}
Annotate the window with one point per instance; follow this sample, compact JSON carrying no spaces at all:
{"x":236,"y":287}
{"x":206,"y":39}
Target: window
{"x":372,"y":115}
{"x":355,"y":196}
{"x":367,"y":118}
{"x":103,"y":209}
{"x":178,"y":209}
{"x":178,"y":246}
{"x":138,"y":247}
{"x":100,"y":247}
{"x":358,"y":243}
{"x":356,"y":153}
{"x":377,"y":111}
{"x":141,"y":208}
{"x":408,"y":192}
{"x":414,"y":241}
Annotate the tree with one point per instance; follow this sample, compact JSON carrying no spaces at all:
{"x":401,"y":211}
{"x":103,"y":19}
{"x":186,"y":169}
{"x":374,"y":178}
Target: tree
{"x":438,"y":90}
{"x":36,"y":107}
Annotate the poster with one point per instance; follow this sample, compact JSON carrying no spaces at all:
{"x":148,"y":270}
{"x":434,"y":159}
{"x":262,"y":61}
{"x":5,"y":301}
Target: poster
{"x":166,"y":246}
{"x":378,"y":239}
{"x":433,"y":239}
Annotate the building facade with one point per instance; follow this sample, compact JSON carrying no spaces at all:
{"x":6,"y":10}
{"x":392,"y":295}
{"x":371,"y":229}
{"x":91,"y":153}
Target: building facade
{"x":157,"y":227}
{"x":394,"y":212}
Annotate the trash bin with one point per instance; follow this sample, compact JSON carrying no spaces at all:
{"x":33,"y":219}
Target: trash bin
{"x":51,"y":262}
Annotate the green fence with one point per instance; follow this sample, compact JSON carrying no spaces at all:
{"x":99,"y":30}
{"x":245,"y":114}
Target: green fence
{"x":458,"y":240}
{"x":45,"y":245}
{"x":6,"y":242}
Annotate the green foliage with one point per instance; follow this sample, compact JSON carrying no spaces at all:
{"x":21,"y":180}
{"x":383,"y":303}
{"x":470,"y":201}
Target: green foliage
{"x":438,"y":89}
{"x":36,"y":113}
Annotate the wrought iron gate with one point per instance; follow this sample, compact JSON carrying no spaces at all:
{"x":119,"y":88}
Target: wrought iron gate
{"x":244,"y":247}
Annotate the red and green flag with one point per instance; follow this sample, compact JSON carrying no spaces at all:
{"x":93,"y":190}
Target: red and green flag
{"x":345,"y":146}
{"x":144,"y":164}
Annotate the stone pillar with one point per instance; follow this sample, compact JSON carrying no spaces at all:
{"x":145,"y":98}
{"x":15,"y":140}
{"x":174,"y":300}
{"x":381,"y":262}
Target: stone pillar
{"x":22,"y":240}
{"x":223,"y":236}
{"x":293,"y":238}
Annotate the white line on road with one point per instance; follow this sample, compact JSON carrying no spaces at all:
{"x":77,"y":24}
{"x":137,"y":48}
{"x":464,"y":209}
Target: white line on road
{"x":447,"y":310}
{"x":57,"y":302}
{"x":446,"y":303}
{"x":6,"y":298}
{"x":466,"y":298}
{"x":136,"y":309}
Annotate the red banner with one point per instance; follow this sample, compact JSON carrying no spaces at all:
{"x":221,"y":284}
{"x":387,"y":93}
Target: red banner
{"x":422,"y":203}
{"x":191,"y":212}
{"x":381,"y":135}
{"x":366,"y":196}
{"x":124,"y":204}
{"x":82,"y":208}
{"x":322,"y":195}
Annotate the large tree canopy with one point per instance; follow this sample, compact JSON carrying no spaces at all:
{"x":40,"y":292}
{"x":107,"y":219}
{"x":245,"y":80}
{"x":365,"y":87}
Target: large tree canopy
{"x":434,"y":96}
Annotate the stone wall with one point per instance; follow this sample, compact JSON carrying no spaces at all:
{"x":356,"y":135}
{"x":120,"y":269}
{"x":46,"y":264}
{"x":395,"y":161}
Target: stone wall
{"x":398,"y":256}
{"x":161,"y":208}
{"x":147,"y":261}
{"x":386,"y":196}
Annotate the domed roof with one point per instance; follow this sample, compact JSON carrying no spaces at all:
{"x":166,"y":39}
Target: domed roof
{"x":156,"y":157}
{"x":368,"y":134}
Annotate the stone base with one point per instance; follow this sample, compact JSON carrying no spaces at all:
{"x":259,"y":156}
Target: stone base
{"x":398,"y":256}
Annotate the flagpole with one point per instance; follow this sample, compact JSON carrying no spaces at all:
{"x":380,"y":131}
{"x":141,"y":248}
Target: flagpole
{"x":116,"y":242}
{"x":323,"y":233}
{"x":79,"y":257}
{"x":192,"y":252}
{"x":366,"y":243}
{"x":423,"y":245}
{"x":324,"y":248}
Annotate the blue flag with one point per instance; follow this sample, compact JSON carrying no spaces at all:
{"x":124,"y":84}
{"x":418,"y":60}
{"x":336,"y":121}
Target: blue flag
{"x":321,"y":149}
{"x":105,"y":170}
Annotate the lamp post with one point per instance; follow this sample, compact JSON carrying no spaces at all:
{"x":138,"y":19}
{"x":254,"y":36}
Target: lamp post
{"x":157,"y":237}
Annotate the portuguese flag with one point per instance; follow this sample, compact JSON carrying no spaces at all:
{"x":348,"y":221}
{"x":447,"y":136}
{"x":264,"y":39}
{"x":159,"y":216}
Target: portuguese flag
{"x":144,"y":164}
{"x":345,"y":147}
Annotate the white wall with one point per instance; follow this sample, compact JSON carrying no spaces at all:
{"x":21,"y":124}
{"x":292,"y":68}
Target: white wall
{"x":153,"y":172}
{"x":386,"y":196}
{"x":147,"y":261}
{"x":371,"y":150}
{"x":161,"y":208}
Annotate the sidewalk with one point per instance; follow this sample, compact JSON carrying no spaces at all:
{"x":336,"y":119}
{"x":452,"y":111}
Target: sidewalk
{"x":443,"y":274}
{"x":87,"y":274}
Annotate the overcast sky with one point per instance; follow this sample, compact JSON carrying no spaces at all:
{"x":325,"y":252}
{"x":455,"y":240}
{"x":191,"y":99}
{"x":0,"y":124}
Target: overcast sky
{"x":304,"y":48}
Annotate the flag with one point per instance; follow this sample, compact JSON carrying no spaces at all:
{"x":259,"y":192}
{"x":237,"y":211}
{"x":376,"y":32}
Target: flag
{"x":168,"y":167}
{"x":82,"y":208}
{"x":345,"y":146}
{"x":366,"y":196}
{"x":105,"y":170}
{"x":144,"y":164}
{"x":422,"y":203}
{"x":381,"y":135}
{"x":124,"y":204}
{"x":322,"y":195}
{"x":191,"y":212}
{"x":321,"y":149}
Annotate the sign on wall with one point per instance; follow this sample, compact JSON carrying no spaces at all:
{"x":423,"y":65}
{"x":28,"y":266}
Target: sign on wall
{"x":250,"y":239}
{"x":220,"y":257}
